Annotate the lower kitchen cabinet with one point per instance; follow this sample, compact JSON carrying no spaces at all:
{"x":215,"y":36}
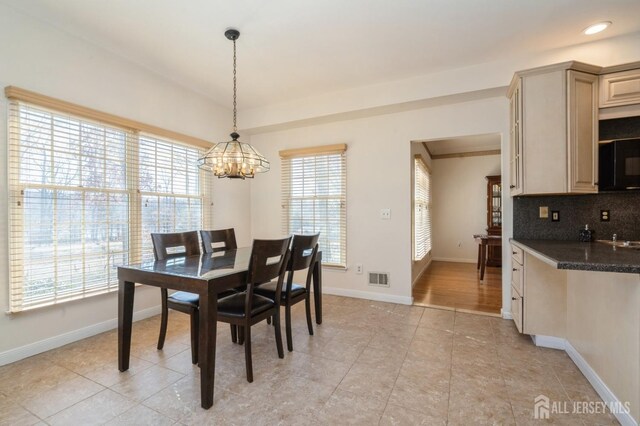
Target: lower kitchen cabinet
{"x":538,"y":295}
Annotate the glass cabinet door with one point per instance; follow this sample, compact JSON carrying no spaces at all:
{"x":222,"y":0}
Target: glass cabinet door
{"x":494,"y":204}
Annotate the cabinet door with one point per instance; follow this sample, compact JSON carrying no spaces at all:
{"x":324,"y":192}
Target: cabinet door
{"x":515,"y":103}
{"x":517,"y":275}
{"x":620,"y":88}
{"x":516,"y":308}
{"x":582,"y":126}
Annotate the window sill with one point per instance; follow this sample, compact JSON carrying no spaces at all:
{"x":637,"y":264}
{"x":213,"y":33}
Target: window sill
{"x":337,"y":268}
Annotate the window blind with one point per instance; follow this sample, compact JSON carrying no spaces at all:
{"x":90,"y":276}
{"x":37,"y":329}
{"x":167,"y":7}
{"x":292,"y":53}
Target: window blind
{"x":314,"y":198}
{"x":76,"y":196}
{"x":422,"y":210}
{"x":169,"y":185}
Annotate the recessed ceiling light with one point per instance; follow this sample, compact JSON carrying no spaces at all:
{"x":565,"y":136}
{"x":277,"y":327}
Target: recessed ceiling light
{"x":596,"y":28}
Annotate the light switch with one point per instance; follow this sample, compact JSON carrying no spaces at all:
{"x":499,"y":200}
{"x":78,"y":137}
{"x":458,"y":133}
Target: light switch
{"x":385,"y":214}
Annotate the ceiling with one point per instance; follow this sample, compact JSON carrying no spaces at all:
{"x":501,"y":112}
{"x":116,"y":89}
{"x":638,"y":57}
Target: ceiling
{"x":291,"y":49}
{"x":488,"y":142}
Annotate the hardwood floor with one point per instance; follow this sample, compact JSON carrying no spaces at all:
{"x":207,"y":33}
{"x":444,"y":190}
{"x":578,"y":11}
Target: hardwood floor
{"x":457,"y":286}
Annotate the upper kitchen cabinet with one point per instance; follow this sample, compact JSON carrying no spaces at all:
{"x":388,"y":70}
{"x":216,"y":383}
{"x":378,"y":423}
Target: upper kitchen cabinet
{"x":620,"y":91}
{"x":554,"y":130}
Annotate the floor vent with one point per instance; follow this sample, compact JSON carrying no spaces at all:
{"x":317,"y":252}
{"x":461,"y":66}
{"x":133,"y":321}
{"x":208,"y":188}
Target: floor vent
{"x":380,"y":279}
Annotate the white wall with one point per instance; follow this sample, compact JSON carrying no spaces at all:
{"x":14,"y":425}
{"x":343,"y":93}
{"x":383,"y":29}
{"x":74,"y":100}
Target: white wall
{"x":460,"y":205}
{"x":378,"y":176}
{"x":497,"y":73}
{"x":42,"y":59}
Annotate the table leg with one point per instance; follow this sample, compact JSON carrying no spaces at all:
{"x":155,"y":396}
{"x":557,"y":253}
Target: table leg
{"x":483,"y":260}
{"x":479,"y":250}
{"x":317,"y":288}
{"x":207,"y":350}
{"x":125,"y":318}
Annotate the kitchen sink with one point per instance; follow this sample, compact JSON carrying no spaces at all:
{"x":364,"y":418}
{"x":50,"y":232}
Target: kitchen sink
{"x":625,"y":244}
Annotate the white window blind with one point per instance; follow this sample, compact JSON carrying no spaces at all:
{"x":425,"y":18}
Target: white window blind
{"x":76,"y":191}
{"x":169,"y":185}
{"x":422,"y":212}
{"x":314,"y":198}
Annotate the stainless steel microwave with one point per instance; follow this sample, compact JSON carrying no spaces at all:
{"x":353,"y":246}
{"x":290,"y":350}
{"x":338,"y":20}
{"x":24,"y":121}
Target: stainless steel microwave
{"x":619,"y":165}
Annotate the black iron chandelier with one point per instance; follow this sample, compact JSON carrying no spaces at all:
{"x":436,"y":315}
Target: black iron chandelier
{"x":234,"y":159}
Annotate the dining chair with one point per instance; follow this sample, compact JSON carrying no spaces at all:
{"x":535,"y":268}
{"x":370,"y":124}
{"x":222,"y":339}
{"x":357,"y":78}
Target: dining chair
{"x":304,"y":249}
{"x":226,"y":237}
{"x":216,"y":241}
{"x":167,"y":246}
{"x":268,"y":261}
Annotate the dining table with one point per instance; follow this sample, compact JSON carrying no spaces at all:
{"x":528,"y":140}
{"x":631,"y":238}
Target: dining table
{"x":206,"y":275}
{"x":485,"y":240}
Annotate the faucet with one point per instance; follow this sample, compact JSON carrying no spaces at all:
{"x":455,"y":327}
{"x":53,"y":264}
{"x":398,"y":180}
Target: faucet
{"x":614,"y":238}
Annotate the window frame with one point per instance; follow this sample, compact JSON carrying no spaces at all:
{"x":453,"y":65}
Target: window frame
{"x":133,"y":133}
{"x":422,"y":249}
{"x":287,"y":157}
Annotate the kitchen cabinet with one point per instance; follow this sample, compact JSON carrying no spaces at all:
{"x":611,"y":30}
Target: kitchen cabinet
{"x":538,"y":295}
{"x":554,"y":130}
{"x":620,"y":88}
{"x":517,"y":271}
{"x":583,"y":298}
{"x":515,"y":158}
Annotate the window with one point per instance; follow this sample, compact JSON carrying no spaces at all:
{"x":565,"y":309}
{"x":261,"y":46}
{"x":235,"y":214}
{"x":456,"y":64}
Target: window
{"x":84,"y":196}
{"x":422,"y":210}
{"x":169,"y":184}
{"x":314,"y":197}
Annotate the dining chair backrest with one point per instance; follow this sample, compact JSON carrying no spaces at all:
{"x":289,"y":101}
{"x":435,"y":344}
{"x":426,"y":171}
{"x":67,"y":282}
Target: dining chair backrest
{"x":303,"y":251}
{"x":269,"y":260}
{"x":226,"y":236}
{"x":184,"y":243}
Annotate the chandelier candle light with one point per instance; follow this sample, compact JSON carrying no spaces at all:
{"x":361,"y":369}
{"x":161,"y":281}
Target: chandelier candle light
{"x":234,"y":159}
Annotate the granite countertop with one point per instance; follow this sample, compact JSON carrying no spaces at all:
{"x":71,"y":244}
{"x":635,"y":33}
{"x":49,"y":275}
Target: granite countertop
{"x":575,"y":255}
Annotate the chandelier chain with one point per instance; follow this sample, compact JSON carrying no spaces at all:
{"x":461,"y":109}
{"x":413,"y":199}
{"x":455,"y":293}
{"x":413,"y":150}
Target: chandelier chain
{"x":235,"y":112}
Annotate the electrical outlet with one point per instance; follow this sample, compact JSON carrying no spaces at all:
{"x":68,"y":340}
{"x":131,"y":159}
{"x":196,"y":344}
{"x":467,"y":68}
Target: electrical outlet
{"x":359,"y":268}
{"x":385,"y":214}
{"x":544,"y":212}
{"x":605,"y":215}
{"x":555,"y":216}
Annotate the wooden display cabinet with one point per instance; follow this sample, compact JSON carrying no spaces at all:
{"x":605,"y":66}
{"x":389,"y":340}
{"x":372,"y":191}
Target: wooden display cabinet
{"x":494,"y":218}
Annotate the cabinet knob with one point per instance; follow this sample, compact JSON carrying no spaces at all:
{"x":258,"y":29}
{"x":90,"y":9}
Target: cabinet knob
{"x":512,"y":186}
{"x":514,"y":298}
{"x":514,"y":252}
{"x":515,"y":269}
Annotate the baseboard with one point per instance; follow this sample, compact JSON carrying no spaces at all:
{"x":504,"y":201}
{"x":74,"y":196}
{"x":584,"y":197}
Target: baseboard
{"x":16,"y":354}
{"x":421,"y":273}
{"x":505,"y":314}
{"x":598,"y":384}
{"x":370,"y":295}
{"x":549,"y":342}
{"x":455,"y":259}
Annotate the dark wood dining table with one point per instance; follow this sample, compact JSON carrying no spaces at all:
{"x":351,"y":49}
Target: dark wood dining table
{"x":206,"y":275}
{"x":483,"y":241}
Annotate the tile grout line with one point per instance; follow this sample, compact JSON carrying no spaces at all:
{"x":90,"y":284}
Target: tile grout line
{"x":59,"y":411}
{"x":453,"y":335}
{"x":504,"y":382}
{"x":346,"y":374}
{"x":400,"y":369}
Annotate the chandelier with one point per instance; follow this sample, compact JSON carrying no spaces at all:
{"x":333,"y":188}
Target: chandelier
{"x":233,"y":159}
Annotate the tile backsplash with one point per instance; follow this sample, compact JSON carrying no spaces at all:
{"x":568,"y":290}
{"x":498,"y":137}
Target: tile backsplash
{"x":575,"y":212}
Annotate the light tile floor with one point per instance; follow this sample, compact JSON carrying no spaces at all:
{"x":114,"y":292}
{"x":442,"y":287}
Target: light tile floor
{"x":368,"y":363}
